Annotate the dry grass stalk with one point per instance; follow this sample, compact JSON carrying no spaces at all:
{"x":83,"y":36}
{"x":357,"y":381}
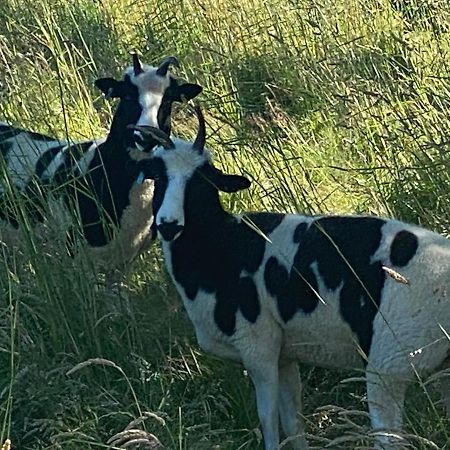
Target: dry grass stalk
{"x":93,"y":361}
{"x":146,"y":415}
{"x":129,"y":438}
{"x":395,"y":275}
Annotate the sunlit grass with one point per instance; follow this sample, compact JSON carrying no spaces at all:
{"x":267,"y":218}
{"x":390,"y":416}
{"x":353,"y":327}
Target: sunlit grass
{"x":329,"y":106}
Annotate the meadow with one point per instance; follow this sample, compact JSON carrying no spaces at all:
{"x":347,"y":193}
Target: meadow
{"x":328,"y":106}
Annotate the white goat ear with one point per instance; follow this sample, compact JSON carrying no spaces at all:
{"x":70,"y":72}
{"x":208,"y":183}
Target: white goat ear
{"x":158,"y":135}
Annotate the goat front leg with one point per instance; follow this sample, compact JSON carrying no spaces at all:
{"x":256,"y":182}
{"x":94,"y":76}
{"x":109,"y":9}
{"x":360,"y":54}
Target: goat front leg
{"x":290,"y":405}
{"x":265,"y":379}
{"x":261,"y":361}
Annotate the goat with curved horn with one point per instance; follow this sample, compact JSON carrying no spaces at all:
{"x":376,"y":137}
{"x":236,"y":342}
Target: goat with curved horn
{"x":155,"y":133}
{"x":199,"y":143}
{"x":137,"y":66}
{"x":164,"y":66}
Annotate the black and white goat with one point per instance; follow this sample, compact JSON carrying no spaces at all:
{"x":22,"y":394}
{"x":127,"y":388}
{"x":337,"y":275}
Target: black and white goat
{"x":271,"y":289}
{"x":96,"y":179}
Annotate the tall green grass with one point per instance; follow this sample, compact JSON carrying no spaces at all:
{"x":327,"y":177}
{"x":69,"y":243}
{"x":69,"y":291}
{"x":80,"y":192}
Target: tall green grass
{"x":329,"y":106}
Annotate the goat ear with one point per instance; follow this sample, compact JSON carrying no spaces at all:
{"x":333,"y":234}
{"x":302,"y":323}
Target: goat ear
{"x":229,"y":183}
{"x":186,"y":91}
{"x":110,"y":87}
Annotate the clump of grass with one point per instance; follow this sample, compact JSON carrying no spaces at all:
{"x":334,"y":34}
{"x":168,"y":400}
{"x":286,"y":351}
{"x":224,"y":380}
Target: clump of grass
{"x":324,"y":113}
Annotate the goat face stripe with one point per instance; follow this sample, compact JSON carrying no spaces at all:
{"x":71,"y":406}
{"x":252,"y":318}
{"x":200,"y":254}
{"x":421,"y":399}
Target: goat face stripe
{"x":170,"y":184}
{"x":150,"y":92}
{"x":145,"y":99}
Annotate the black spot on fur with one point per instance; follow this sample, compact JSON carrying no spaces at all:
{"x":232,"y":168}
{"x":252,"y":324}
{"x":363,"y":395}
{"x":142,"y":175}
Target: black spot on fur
{"x":403,"y":248}
{"x":295,"y":290}
{"x":276,"y":276}
{"x":242,"y":296}
{"x":340,"y":249}
{"x":216,"y":266}
{"x":248,"y":303}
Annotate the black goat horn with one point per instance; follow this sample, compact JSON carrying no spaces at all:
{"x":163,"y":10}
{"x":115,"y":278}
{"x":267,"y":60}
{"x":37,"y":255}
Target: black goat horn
{"x":137,"y":65}
{"x":199,"y":143}
{"x":164,"y":66}
{"x":158,"y":135}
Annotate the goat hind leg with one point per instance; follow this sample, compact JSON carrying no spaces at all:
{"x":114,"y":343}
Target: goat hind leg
{"x":444,"y":388}
{"x":290,"y":405}
{"x":386,"y":396}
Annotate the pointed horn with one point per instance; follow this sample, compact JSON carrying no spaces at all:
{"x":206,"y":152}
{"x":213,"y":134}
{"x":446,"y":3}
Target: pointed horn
{"x":199,"y":143}
{"x":137,"y":65}
{"x":164,"y":66}
{"x":158,"y":135}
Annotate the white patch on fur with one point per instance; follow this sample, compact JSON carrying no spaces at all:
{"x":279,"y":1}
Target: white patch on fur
{"x":23,"y":157}
{"x":151,"y":88}
{"x":84,"y":162}
{"x":180,"y":163}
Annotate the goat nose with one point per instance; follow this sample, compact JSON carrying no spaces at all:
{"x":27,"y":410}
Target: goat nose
{"x":169,"y":231}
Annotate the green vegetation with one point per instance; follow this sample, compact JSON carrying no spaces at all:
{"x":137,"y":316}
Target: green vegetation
{"x":329,"y":106}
